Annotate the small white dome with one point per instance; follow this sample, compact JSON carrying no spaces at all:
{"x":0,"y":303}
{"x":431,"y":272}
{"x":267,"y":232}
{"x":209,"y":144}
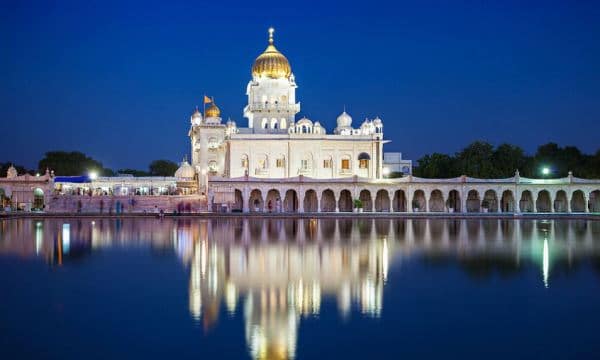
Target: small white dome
{"x":377,"y":121}
{"x":185,"y":171}
{"x":304,"y":121}
{"x":344,"y":120}
{"x":11,"y":173}
{"x":197,"y":114}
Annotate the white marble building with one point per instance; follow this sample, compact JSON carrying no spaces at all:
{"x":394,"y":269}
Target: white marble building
{"x":277,"y":145}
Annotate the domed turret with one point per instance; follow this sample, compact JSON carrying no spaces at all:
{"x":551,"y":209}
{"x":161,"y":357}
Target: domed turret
{"x":196,"y":117}
{"x":185,"y":171}
{"x":11,"y":173}
{"x":344,"y":120}
{"x":213,"y":111}
{"x":271,"y":63}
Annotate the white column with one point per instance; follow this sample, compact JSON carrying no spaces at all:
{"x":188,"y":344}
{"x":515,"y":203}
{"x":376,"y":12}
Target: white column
{"x":301,"y":202}
{"x":245,"y":200}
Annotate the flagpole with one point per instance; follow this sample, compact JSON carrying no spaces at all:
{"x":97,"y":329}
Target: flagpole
{"x":203,"y":105}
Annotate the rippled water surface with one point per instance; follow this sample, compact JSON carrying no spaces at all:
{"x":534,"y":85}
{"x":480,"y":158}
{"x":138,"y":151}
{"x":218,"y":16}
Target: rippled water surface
{"x":304,"y":289}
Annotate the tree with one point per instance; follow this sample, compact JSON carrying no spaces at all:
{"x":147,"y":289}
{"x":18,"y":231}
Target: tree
{"x":163,"y":168}
{"x":559,"y":160}
{"x":133,"y":172}
{"x":476,"y":160}
{"x":435,"y":165}
{"x":71,"y":164}
{"x":507,"y":159}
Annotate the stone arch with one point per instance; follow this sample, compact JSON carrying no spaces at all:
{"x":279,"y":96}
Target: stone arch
{"x":453,"y":201}
{"x":4,"y":199}
{"x":290,"y":202}
{"x":419,"y":202}
{"x":345,"y":201}
{"x":328,"y":201}
{"x":366,"y":199}
{"x":526,"y":201}
{"x":436,"y":201}
{"x":399,"y":202}
{"x":491,"y":199}
{"x":382,"y":201}
{"x":473,"y":202}
{"x":578,"y":201}
{"x":38,"y":199}
{"x":273,"y":201}
{"x":255,"y":201}
{"x":311,"y":202}
{"x":560,"y":202}
{"x":507,"y":201}
{"x":238,"y":203}
{"x":543,"y":202}
{"x":595,"y":201}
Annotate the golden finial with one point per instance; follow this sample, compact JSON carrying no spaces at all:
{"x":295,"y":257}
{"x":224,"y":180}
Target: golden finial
{"x":271,"y":31}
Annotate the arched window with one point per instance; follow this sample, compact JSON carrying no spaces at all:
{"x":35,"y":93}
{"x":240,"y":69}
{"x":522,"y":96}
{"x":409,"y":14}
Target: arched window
{"x":264,"y":123}
{"x":283,"y":123}
{"x":245,"y":161}
{"x":263,"y":162}
{"x":212,"y":166}
{"x":363,"y":160}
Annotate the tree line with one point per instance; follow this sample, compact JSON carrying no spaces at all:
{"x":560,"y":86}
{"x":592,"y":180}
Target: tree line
{"x":482,"y":160}
{"x":75,"y":163}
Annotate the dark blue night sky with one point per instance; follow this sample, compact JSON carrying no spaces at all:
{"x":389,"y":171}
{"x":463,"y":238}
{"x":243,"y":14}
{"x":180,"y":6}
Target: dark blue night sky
{"x":118,"y":80}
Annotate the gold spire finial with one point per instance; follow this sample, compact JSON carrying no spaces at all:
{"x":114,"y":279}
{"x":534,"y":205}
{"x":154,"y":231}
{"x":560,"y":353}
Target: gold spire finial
{"x":271,"y":31}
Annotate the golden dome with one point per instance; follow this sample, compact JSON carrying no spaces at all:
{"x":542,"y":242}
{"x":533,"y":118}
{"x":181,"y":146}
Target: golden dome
{"x":271,"y":62}
{"x":212,"y":111}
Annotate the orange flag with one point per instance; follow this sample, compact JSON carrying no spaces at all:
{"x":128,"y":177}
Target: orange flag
{"x":207,"y":100}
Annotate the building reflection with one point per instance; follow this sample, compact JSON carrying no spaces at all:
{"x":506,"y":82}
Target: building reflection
{"x":276,"y":280}
{"x":276,"y":272}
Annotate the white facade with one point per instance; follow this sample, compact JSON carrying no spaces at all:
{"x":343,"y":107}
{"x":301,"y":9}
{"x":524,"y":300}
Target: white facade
{"x":276,"y":145}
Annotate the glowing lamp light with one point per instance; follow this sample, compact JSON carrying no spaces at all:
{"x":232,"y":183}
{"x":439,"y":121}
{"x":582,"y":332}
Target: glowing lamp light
{"x":386,"y":171}
{"x":546,"y":170}
{"x":93,"y":175}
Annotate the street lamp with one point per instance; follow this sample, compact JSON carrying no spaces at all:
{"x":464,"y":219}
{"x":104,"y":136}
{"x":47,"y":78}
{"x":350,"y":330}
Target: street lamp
{"x":93,"y":175}
{"x":545,"y":171}
{"x":386,"y":171}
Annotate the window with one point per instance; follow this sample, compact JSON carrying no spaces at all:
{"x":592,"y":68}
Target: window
{"x":327,"y":164}
{"x":262,"y":163}
{"x":363,"y":164}
{"x":245,"y":162}
{"x":304,"y":164}
{"x":345,"y":164}
{"x":212,"y":166}
{"x":280,"y":163}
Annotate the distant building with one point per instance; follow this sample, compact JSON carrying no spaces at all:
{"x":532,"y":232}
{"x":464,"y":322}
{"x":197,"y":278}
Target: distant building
{"x":393,"y":163}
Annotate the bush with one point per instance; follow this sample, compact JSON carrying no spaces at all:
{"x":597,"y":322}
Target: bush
{"x":358,"y":204}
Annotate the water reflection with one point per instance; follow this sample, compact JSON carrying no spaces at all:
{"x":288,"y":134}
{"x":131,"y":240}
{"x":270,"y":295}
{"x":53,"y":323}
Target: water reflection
{"x":275,"y":272}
